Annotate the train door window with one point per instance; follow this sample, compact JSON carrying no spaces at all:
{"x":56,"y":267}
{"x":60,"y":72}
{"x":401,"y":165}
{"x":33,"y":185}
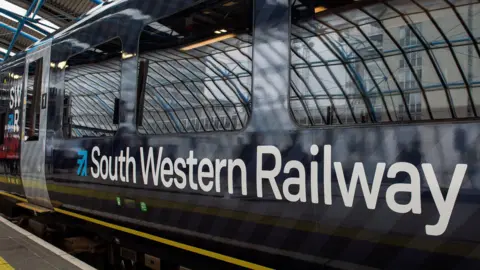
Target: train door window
{"x":4,"y":103}
{"x":3,"y":125}
{"x":92,"y":91}
{"x":34,"y":100}
{"x":199,"y":74}
{"x":368,"y":67}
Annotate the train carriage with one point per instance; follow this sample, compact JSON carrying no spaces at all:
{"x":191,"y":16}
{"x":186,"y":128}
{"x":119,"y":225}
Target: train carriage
{"x":257,"y":133}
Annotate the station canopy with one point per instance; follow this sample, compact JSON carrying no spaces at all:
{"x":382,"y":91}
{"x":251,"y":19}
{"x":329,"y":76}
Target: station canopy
{"x":24,"y":22}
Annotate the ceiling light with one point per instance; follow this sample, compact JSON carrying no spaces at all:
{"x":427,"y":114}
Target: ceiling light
{"x":126,"y":55}
{"x":218,"y":32}
{"x":223,"y":31}
{"x":320,"y":9}
{"x":206,"y":42}
{"x":4,"y":51}
{"x":62,"y":64}
{"x":15,"y":76}
{"x":228,"y":4}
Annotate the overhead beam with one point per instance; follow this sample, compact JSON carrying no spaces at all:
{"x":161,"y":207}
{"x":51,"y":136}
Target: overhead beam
{"x":28,"y":23}
{"x":23,"y":34}
{"x":49,"y":9}
{"x":5,"y":42}
{"x":52,"y":17}
{"x":34,"y":7}
{"x":52,"y":12}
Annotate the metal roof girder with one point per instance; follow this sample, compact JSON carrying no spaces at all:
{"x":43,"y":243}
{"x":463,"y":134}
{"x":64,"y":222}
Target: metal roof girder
{"x":35,"y":6}
{"x":25,"y":35}
{"x":428,"y":51}
{"x":404,"y":54}
{"x":18,"y":18}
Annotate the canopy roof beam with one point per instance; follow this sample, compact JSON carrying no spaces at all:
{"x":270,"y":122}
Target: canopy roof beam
{"x":34,"y":8}
{"x":23,"y":34}
{"x":19,"y":18}
{"x":4,"y":44}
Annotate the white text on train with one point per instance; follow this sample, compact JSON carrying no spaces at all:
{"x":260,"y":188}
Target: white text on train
{"x":15,"y":101}
{"x":206,"y":177}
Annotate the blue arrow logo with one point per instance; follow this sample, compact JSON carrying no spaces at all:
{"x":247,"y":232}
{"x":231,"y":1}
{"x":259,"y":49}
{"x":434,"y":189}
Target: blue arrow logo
{"x":10,"y":122}
{"x":82,"y":163}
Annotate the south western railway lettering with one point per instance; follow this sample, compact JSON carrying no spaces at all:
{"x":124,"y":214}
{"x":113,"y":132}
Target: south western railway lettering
{"x":204,"y":174}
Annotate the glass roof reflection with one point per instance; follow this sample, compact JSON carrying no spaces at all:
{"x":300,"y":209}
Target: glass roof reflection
{"x":387,"y":62}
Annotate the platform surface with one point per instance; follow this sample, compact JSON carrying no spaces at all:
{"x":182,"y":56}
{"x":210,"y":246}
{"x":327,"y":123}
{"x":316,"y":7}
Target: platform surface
{"x":20,"y":249}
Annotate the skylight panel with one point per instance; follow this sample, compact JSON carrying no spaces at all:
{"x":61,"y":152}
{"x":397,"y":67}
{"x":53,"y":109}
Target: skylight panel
{"x":4,"y":51}
{"x":41,"y":22}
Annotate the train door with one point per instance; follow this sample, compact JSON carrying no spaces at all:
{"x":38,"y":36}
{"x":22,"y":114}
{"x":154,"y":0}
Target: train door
{"x":34,"y":123}
{"x":11,"y":82}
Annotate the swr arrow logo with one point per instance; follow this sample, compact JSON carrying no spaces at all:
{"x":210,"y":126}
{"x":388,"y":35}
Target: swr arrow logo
{"x":10,"y":122}
{"x":82,"y":163}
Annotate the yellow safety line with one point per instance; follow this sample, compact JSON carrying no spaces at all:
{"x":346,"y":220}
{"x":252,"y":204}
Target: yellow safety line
{"x":193,"y":249}
{"x":4,"y":265}
{"x":32,"y":207}
{"x":13,"y":196}
{"x":152,"y":237}
{"x":165,"y":241}
{"x":455,"y":248}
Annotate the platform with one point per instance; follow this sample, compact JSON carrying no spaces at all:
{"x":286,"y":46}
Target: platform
{"x":20,"y":249}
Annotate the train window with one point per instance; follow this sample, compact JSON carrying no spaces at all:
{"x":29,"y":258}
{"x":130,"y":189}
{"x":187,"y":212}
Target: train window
{"x":11,"y":95}
{"x":393,"y":61}
{"x":92,"y":90}
{"x":3,"y":125}
{"x":4,"y":89}
{"x":199,"y":70}
{"x":4,"y":103}
{"x":34,"y":93}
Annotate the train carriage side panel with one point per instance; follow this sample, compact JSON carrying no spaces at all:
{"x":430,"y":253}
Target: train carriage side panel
{"x":12,"y":89}
{"x":273,"y":188}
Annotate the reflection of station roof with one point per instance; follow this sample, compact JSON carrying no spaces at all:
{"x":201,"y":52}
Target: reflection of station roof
{"x":351,"y":59}
{"x":346,"y":57}
{"x":181,"y":84}
{"x":40,"y":18}
{"x":371,"y":57}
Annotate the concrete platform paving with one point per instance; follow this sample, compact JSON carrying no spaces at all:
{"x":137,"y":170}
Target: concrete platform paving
{"x":20,"y":249}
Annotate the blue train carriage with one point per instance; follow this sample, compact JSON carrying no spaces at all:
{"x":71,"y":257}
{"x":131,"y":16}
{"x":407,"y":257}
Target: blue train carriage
{"x":12,"y":75}
{"x":274,"y":133}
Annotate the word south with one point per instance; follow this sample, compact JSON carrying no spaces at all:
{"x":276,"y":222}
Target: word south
{"x":205,"y":175}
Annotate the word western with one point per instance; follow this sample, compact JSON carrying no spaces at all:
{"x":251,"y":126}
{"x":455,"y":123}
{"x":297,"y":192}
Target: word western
{"x":167,"y":172}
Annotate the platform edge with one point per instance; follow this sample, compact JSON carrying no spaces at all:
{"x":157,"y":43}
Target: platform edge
{"x":48,"y":246}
